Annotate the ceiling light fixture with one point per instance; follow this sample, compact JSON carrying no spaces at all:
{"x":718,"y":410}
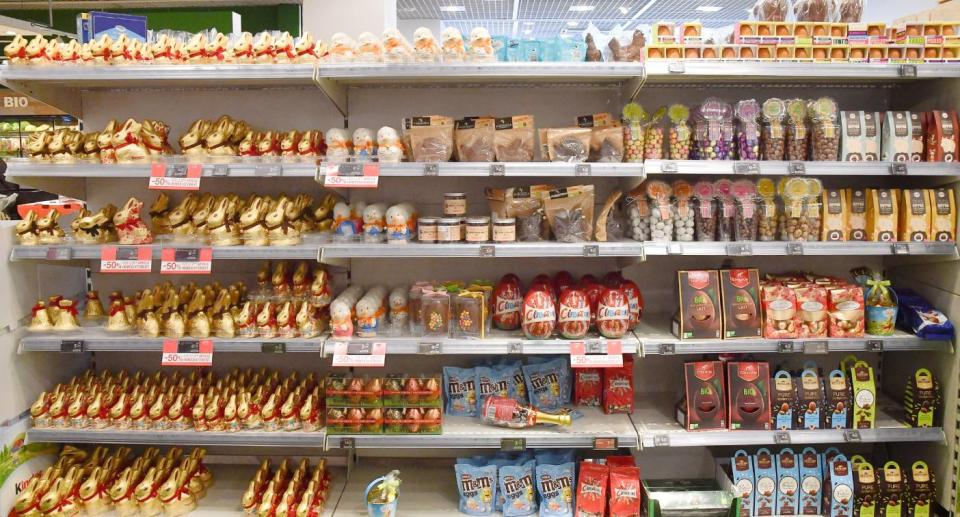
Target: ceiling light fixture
{"x":529,"y":24}
{"x":708,"y":8}
{"x":453,"y":8}
{"x":624,"y":9}
{"x":582,"y":8}
{"x":573,"y":23}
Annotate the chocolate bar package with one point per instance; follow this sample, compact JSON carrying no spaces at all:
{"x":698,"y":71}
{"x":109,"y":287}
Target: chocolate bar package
{"x":893,"y":490}
{"x":811,"y":482}
{"x":748,"y":385}
{"x":866,"y":486}
{"x":704,"y":401}
{"x":921,"y":399}
{"x":744,"y":481}
{"x":784,"y":400}
{"x":788,"y":482}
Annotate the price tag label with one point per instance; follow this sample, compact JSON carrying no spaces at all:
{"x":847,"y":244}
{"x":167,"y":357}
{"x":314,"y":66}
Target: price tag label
{"x":900,"y":248}
{"x":59,"y":253}
{"x":351,"y":175}
{"x":498,"y":169}
{"x":515,"y":347}
{"x":661,"y":440}
{"x":430,"y":348}
{"x":898,"y":169}
{"x":605,"y":443}
{"x":740,"y":249}
{"x":359,"y":355}
{"x":273,"y":348}
{"x":816,"y":347}
{"x":175,"y":176}
{"x":785,"y":347}
{"x":781,"y":437}
{"x":797,"y":169}
{"x":186,"y":261}
{"x":220,"y":169}
{"x":582,"y":169}
{"x":268,"y":169}
{"x":513,"y":444}
{"x":749,"y":168}
{"x":794,"y":248}
{"x":851,"y":435}
{"x":668,"y":167}
{"x":591,"y":250}
{"x":874,"y":345}
{"x":488,"y":250}
{"x":126,"y":259}
{"x":187,"y":352}
{"x":668,"y":348}
{"x":676,"y":67}
{"x":72,"y":346}
{"x":613,"y":358}
{"x":431,"y":169}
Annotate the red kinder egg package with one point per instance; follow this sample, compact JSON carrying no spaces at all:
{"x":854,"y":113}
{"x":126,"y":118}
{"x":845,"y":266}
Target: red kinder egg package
{"x":592,"y":490}
{"x":624,"y":491}
{"x":618,"y":388}
{"x":621,"y":461}
{"x":587,"y":387}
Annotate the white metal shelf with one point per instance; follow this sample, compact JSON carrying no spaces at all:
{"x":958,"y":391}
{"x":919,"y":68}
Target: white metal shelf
{"x":783,"y":248}
{"x":679,"y":71}
{"x":470,"y":433}
{"x":658,"y":340}
{"x":497,"y":342}
{"x":655,"y":418}
{"x":314,"y":248}
{"x":98,"y":339}
{"x":315,"y":439}
{"x":809,"y":168}
{"x":26,"y":168}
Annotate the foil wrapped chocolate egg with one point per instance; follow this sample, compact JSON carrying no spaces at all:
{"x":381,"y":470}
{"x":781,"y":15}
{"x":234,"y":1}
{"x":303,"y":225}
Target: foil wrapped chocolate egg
{"x":411,"y":390}
{"x":354,"y":390}
{"x":372,"y":391}
{"x":413,"y":416}
{"x":432,"y":420}
{"x":373,"y":420}
{"x":354,"y":420}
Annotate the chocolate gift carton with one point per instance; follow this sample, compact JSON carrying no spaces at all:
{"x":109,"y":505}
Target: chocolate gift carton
{"x":921,"y":399}
{"x":840,"y":499}
{"x":856,"y":214}
{"x":864,"y":396}
{"x":740,"y":293}
{"x":897,"y":136}
{"x":704,"y":404}
{"x":852,"y":144}
{"x":825,"y":458}
{"x":784,"y":400}
{"x":748,"y":400}
{"x":765,"y":492}
{"x":893,"y":491}
{"x":943,"y":136}
{"x":811,"y":482}
{"x":943,"y":215}
{"x":788,"y":482}
{"x":810,"y":396}
{"x":744,"y":481}
{"x":838,"y":401}
{"x":866,"y":486}
{"x":922,"y":491}
{"x":700,"y":311}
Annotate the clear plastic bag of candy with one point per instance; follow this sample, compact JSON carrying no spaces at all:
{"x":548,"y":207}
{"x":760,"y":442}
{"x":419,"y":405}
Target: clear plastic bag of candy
{"x":826,"y":133}
{"x":653,"y":136}
{"x":705,"y":213}
{"x":798,"y":135}
{"x":680,"y":132}
{"x":661,"y":210}
{"x":634,"y":118}
{"x":638,"y":216}
{"x":745,"y":211}
{"x":725,"y":209}
{"x":800,"y":211}
{"x":766,"y":210}
{"x":773,"y":142}
{"x":683,"y":217}
{"x":716,"y":143}
{"x":748,"y":129}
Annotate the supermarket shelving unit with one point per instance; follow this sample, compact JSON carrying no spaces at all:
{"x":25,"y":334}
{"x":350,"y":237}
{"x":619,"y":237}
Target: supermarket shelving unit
{"x":372,"y":95}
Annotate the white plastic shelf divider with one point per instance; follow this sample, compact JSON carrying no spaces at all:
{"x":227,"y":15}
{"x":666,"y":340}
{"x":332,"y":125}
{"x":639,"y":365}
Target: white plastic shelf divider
{"x":470,"y":433}
{"x":815,"y":169}
{"x":679,"y":71}
{"x":511,"y":249}
{"x":141,"y":76}
{"x":498,"y":342}
{"x":656,"y":422}
{"x":357,"y":74}
{"x":98,"y":339}
{"x":25,"y":168}
{"x":783,"y":248}
{"x":658,"y":340}
{"x":192,"y":438}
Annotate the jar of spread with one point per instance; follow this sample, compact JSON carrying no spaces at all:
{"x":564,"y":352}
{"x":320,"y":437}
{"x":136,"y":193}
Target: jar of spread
{"x":427,"y":229}
{"x":448,"y":230}
{"x":505,"y":230}
{"x":454,"y":204}
{"x":478,"y":229}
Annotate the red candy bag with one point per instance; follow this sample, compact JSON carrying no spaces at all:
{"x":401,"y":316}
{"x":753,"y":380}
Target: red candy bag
{"x":592,"y":490}
{"x":539,"y":314}
{"x":621,"y":461}
{"x":587,"y":387}
{"x":613,"y":314}
{"x":507,"y":303}
{"x":573,"y":317}
{"x":624,"y":492}
{"x":618,"y":388}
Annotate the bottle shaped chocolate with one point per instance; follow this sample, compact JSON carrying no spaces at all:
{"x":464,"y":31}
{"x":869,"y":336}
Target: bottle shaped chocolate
{"x":506,"y":412}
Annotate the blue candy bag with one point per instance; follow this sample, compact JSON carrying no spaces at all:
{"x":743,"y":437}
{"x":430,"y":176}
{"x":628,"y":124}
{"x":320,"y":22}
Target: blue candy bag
{"x":516,"y":485}
{"x":555,"y":456}
{"x":477,"y":487}
{"x":917,"y":315}
{"x":459,"y":384}
{"x":545,"y":384}
{"x":476,"y":461}
{"x":556,"y":485}
{"x":492,"y":381}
